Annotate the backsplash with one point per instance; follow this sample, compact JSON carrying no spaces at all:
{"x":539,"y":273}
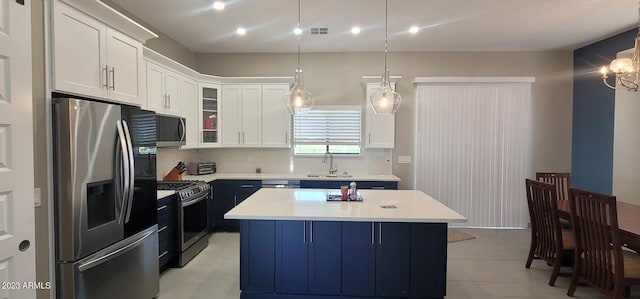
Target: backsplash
{"x":241,"y":160}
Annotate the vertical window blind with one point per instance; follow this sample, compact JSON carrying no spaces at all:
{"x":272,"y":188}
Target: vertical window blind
{"x":473,"y":149}
{"x":328,"y":126}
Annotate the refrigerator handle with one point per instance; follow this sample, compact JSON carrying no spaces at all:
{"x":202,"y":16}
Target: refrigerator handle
{"x":130,"y":161}
{"x":114,"y":254}
{"x":125,"y":170}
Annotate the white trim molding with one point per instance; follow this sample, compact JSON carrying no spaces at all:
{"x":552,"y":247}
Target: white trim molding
{"x":522,"y":79}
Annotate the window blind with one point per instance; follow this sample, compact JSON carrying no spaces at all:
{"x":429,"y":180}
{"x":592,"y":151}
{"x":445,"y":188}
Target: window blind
{"x":328,"y":126}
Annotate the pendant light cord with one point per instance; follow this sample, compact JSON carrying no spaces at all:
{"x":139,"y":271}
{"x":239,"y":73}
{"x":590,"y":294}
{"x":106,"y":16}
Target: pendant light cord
{"x":299,"y":31}
{"x":386,"y":26}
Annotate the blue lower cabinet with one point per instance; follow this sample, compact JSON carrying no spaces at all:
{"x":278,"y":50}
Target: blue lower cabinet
{"x":291,"y":257}
{"x":324,"y":259}
{"x":393,"y":259}
{"x":308,"y":257}
{"x":257,"y":256}
{"x":428,"y":271}
{"x":358,"y":259}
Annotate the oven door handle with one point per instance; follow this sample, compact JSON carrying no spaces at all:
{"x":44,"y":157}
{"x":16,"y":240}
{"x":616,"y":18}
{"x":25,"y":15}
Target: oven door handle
{"x":193,"y":201}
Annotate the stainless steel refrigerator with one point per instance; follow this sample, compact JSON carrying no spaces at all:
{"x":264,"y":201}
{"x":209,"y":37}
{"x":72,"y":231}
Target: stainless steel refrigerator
{"x":105,"y":200}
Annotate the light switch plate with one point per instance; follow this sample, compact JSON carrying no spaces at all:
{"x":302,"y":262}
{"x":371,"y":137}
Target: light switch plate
{"x":404,"y":159}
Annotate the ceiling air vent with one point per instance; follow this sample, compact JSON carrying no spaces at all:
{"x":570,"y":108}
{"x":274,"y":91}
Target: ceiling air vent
{"x":318,"y":30}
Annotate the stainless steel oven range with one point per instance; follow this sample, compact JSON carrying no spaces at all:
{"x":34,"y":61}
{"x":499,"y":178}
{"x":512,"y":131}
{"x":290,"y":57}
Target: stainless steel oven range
{"x":192,"y":217}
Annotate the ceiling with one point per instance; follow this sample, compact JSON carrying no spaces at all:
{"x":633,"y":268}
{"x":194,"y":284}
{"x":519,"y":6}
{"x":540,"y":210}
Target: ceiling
{"x":445,"y":25}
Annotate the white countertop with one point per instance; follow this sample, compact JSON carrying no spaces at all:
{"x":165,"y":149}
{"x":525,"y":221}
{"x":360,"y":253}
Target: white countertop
{"x":164,"y":193}
{"x":288,"y":176}
{"x":310,"y":204}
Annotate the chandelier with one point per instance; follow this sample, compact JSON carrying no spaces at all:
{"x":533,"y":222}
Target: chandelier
{"x":385,"y":100}
{"x":298,"y":99}
{"x":626,"y":70}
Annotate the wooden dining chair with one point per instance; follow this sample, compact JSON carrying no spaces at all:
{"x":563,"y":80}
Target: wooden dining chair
{"x":561,"y":180}
{"x":599,"y":260}
{"x":549,"y":241}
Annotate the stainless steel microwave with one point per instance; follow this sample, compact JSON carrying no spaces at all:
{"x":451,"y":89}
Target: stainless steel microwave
{"x":171,"y":130}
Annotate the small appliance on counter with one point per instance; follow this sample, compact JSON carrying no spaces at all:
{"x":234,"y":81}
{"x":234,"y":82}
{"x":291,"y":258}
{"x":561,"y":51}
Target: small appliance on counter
{"x":200,"y":168}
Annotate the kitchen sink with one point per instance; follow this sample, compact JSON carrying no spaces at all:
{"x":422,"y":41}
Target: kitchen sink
{"x":329,"y":175}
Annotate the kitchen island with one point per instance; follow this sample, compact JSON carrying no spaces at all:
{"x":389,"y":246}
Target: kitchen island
{"x":295,"y":244}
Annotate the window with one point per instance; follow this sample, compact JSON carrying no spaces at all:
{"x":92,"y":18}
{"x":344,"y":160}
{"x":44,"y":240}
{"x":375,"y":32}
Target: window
{"x":334,"y":129}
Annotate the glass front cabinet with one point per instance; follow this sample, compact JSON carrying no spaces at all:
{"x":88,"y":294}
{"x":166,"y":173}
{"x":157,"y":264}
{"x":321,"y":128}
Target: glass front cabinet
{"x":209,"y":116}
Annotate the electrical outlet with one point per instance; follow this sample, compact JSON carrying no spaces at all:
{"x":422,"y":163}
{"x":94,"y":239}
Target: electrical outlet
{"x":404,"y":159}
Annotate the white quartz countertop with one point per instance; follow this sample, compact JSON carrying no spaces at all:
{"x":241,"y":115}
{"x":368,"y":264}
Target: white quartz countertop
{"x":311,"y":204}
{"x":288,"y":176}
{"x":164,"y":193}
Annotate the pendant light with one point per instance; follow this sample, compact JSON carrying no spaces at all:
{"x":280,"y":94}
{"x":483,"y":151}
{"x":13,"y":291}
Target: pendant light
{"x":626,"y":70}
{"x":298,"y":100}
{"x":385,"y":100}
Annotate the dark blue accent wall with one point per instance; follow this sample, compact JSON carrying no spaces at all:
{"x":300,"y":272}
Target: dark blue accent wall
{"x":593,"y":114}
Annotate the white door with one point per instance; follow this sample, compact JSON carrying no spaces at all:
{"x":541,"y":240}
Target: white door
{"x":231,"y":115}
{"x":79,"y":52}
{"x":124,"y":57}
{"x":189,"y":110}
{"x":251,"y":115}
{"x":172,"y":90}
{"x":275,"y":116}
{"x":17,"y":248}
{"x":156,"y":99}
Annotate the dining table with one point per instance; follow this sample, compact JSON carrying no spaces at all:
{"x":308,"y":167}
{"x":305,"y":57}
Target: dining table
{"x":628,"y":221}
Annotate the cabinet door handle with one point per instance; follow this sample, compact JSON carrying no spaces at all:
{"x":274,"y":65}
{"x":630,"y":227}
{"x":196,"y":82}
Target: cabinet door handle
{"x":377,"y":187}
{"x":373,"y":234}
{"x":238,"y":137}
{"x":369,"y":139}
{"x":304,"y":232}
{"x":169,"y":97}
{"x":311,"y":237}
{"x":106,"y":77}
{"x":380,"y":233}
{"x":164,"y":101}
{"x":286,"y":137}
{"x":113,"y":78}
{"x":246,"y":186}
{"x":163,"y":254}
{"x":235,"y":201}
{"x":162,"y":228}
{"x":162,"y":207}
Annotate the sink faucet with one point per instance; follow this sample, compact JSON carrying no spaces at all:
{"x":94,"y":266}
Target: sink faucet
{"x":333,"y":169}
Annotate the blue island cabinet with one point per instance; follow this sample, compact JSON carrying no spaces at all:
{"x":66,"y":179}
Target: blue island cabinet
{"x":339,"y":260}
{"x":308,"y":257}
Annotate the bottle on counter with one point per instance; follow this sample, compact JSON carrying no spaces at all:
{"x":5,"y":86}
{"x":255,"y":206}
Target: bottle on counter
{"x":353,"y":191}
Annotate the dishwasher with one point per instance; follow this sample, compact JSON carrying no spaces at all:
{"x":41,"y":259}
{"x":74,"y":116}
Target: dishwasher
{"x":286,"y":184}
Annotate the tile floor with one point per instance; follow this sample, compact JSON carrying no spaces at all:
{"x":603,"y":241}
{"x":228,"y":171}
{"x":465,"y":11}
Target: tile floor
{"x":489,"y":266}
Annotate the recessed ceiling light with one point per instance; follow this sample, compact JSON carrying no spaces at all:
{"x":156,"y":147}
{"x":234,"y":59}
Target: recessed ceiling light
{"x":414,"y":29}
{"x":355,"y":30}
{"x":218,"y":5}
{"x":241,"y":31}
{"x":297,"y":31}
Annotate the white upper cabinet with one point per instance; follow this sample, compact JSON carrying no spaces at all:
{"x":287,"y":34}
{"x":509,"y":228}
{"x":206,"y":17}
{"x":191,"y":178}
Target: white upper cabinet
{"x":163,"y":89}
{"x":189,"y":110}
{"x":380,"y":128}
{"x":276,"y":120}
{"x":95,"y":60}
{"x":241,"y":114}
